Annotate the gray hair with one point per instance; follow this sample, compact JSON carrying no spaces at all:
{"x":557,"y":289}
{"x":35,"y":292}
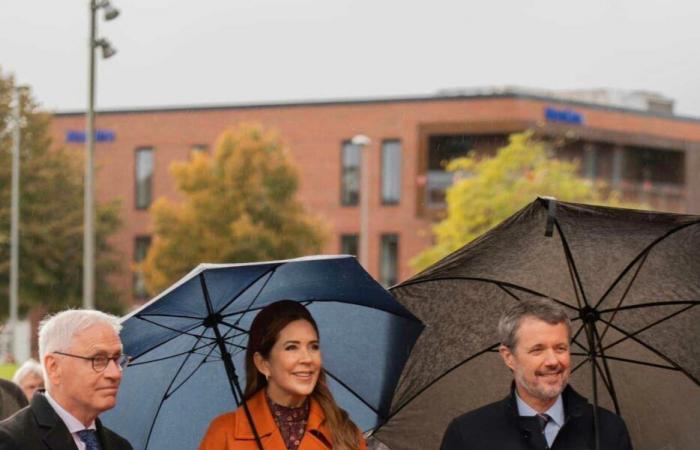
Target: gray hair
{"x":30,"y":367}
{"x":541,"y":308}
{"x":56,"y":332}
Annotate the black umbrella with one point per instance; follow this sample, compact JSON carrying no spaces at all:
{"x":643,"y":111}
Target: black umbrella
{"x":631,"y":281}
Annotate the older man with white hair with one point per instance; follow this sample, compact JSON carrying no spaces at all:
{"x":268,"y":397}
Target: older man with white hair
{"x":82,"y":357}
{"x":29,"y":377}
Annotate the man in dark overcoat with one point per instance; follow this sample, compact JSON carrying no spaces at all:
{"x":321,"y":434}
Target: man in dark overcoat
{"x":541,"y":412}
{"x":82,"y":358}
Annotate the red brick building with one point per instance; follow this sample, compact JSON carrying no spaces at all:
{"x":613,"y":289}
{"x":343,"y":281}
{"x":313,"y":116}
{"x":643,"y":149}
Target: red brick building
{"x":648,"y":153}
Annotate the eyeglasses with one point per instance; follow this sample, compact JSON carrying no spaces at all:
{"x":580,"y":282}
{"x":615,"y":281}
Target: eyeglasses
{"x":100,"y":362}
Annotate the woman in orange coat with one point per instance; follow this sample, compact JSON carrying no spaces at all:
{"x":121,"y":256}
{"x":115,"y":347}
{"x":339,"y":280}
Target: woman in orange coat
{"x":286,"y":391}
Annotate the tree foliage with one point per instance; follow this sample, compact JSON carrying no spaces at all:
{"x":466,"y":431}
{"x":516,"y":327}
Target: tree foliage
{"x":239,"y":206}
{"x":487,"y":190}
{"x":51,"y":217}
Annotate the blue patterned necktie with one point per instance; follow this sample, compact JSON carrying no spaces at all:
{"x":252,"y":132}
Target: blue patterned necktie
{"x":90,"y":439}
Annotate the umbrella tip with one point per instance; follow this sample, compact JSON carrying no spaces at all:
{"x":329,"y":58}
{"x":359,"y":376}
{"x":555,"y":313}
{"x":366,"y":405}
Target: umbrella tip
{"x":551,"y":204}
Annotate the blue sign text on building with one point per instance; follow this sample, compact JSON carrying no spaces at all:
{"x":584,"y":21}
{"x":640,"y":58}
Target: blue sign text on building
{"x":563,"y":115}
{"x":100,"y":136}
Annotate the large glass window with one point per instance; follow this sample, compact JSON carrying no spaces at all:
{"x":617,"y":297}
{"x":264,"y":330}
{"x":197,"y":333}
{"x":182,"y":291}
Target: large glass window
{"x":391,"y":171}
{"x":141,"y":246}
{"x":350,"y":176}
{"x":444,"y":148}
{"x":389,"y":259}
{"x":349,"y":244}
{"x":144,"y":177}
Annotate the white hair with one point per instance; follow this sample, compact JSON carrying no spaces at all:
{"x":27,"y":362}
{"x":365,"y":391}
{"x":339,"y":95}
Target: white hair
{"x":56,"y":332}
{"x":30,"y":367}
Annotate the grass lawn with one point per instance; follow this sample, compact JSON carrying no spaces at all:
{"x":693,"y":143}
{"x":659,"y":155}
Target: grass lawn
{"x":7,"y":370}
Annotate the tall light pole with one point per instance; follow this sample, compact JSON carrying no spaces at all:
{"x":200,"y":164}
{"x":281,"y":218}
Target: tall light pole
{"x":14,"y":215}
{"x":363,"y":142}
{"x":89,"y":202}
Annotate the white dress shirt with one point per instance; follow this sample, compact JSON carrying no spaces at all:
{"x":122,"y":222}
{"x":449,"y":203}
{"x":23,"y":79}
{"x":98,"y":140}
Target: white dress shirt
{"x":555,"y":413}
{"x":73,"y":424}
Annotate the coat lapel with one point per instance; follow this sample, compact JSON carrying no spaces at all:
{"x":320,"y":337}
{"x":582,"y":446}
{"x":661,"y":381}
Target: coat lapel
{"x":316,"y":437}
{"x":53,"y":431}
{"x":265,"y":425}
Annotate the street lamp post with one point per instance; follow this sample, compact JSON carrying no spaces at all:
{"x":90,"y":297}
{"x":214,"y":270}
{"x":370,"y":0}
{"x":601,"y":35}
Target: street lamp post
{"x":363,"y":142}
{"x":89,"y":201}
{"x":14,"y":215}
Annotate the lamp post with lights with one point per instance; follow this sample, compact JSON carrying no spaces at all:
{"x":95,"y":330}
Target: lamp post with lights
{"x":110,"y":13}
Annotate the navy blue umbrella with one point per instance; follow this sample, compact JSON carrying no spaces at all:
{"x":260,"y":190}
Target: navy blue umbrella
{"x":189,"y":345}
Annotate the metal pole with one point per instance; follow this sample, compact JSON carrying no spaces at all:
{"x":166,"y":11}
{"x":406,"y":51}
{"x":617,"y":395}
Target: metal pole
{"x":14,"y":219}
{"x":364,"y":207}
{"x":89,"y":200}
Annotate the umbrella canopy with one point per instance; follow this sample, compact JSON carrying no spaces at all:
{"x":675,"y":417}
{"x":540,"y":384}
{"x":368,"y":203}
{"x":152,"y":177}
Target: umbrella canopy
{"x":177,"y":382}
{"x":630,"y":278}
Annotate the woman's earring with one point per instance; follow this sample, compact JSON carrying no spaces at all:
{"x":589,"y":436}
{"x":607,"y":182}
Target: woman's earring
{"x":267,"y":377}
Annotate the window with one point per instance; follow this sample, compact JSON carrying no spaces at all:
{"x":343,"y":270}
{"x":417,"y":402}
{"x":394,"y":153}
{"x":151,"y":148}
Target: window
{"x":444,"y":148}
{"x":391,"y":172}
{"x":198,"y":148}
{"x":144,"y":177}
{"x":141,"y":246}
{"x":389,"y":258}
{"x":349,"y":244}
{"x":350,"y":176}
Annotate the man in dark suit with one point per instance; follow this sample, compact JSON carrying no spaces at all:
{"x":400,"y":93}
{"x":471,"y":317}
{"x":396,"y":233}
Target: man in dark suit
{"x":541,"y":412}
{"x":12,"y":398}
{"x":82,"y":357}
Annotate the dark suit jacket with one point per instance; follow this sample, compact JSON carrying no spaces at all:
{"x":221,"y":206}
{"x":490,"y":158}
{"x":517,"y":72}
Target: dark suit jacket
{"x":498,"y":426}
{"x":12,"y":399}
{"x":38,"y":427}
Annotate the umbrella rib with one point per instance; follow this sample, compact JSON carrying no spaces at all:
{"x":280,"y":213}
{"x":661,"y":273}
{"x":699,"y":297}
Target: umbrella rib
{"x":643,"y":363}
{"x":139,"y":363}
{"x":165,"y":396}
{"x":193,"y":371}
{"x":496,"y":282}
{"x":427,"y":386}
{"x":352,"y":391}
{"x":624,"y":294}
{"x":651,"y":304}
{"x":167,"y":340}
{"x":653,"y":324}
{"x":176,"y":316}
{"x":655,"y":351}
{"x":233,"y":326}
{"x":248,"y":286}
{"x":247,"y":309}
{"x":572,"y":266}
{"x":309,"y":301}
{"x":609,"y":381}
{"x":647,"y":249}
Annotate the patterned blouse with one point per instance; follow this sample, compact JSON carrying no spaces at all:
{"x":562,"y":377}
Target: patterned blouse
{"x":291,"y":422}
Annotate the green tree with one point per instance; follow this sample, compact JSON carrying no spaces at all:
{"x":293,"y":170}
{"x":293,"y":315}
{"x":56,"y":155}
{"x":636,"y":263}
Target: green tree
{"x":51,"y":217}
{"x":239,"y":206}
{"x":487,"y":190}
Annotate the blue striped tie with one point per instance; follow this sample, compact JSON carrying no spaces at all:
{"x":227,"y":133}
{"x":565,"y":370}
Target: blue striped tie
{"x":90,"y":439}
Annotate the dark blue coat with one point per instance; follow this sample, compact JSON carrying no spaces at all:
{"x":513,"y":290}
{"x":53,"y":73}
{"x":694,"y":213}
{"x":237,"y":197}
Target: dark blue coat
{"x":499,"y":427}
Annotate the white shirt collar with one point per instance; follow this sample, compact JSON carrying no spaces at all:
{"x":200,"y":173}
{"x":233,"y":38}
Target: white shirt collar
{"x":73,"y":424}
{"x":555,"y":412}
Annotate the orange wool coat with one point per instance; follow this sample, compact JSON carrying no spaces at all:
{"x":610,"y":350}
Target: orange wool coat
{"x":231,"y":431}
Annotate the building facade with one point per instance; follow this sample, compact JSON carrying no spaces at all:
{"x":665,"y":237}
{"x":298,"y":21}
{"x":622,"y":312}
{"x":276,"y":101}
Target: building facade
{"x":648,"y":154}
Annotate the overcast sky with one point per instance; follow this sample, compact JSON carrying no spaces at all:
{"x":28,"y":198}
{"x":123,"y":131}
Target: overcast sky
{"x":176,"y":52}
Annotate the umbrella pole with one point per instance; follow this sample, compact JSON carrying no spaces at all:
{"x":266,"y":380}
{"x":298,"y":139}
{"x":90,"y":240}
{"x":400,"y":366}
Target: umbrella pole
{"x":592,"y":345}
{"x":212,"y":321}
{"x":233,"y":382}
